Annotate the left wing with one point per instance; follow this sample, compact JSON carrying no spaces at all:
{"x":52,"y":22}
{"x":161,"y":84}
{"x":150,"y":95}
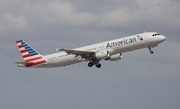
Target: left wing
{"x":83,"y":54}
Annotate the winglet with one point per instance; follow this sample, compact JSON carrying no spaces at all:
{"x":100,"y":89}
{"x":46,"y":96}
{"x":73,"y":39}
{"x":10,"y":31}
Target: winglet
{"x":59,"y":49}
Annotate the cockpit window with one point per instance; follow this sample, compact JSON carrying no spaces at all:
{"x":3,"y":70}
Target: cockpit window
{"x":155,"y":34}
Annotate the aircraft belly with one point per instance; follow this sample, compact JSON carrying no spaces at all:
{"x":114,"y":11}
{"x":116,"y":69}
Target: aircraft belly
{"x":64,"y":61}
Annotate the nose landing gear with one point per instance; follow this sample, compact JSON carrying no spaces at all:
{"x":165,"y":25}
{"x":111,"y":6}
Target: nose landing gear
{"x":151,"y":52}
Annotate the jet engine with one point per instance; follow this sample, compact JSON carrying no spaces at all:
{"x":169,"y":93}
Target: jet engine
{"x":115,"y":57}
{"x":102,"y":54}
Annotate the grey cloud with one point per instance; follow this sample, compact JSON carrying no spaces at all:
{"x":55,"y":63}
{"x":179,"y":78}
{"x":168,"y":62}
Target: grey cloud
{"x":138,"y":81}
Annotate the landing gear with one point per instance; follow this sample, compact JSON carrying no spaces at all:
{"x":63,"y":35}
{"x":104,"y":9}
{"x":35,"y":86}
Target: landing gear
{"x":90,"y":64}
{"x":98,"y":65}
{"x":151,"y":52}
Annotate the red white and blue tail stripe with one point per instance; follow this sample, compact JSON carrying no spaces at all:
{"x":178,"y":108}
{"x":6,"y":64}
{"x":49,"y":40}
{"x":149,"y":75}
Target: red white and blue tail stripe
{"x":31,"y":56}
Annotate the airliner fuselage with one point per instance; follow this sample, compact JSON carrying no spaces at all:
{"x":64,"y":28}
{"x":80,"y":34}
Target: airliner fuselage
{"x":110,"y":50}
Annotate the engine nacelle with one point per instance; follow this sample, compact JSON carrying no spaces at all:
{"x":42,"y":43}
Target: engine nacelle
{"x":115,"y":57}
{"x":102,"y":54}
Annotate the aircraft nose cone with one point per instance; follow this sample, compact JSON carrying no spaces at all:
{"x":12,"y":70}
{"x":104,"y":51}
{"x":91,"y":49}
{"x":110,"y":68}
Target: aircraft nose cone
{"x":162,"y":38}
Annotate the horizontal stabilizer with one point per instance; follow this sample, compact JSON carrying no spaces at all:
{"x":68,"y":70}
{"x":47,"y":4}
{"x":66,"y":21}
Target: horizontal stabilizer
{"x":24,"y":63}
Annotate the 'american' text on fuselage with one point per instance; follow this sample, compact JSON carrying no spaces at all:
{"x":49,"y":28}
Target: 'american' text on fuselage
{"x":122,"y":42}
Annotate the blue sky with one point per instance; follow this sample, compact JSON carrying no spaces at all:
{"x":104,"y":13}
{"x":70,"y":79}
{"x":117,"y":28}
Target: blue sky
{"x":138,"y":81}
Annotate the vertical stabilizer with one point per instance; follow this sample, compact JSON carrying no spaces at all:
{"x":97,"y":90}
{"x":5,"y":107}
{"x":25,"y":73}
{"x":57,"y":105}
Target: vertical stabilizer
{"x":29,"y":54}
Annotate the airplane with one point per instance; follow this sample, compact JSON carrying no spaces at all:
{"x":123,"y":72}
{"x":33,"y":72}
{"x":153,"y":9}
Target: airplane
{"x":110,"y":50}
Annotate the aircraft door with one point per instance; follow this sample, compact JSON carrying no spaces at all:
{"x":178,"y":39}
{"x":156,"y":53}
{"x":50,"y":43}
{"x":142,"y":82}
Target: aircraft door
{"x":145,"y":37}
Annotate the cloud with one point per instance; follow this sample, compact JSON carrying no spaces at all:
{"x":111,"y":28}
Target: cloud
{"x":8,"y":21}
{"x":65,"y":13}
{"x":155,"y":12}
{"x":118,"y":14}
{"x":139,"y":78}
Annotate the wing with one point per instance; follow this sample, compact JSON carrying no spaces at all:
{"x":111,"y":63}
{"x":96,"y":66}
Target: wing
{"x":83,"y":54}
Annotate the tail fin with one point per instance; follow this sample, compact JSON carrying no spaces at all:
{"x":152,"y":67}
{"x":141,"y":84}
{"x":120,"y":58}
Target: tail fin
{"x":28,"y":53}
